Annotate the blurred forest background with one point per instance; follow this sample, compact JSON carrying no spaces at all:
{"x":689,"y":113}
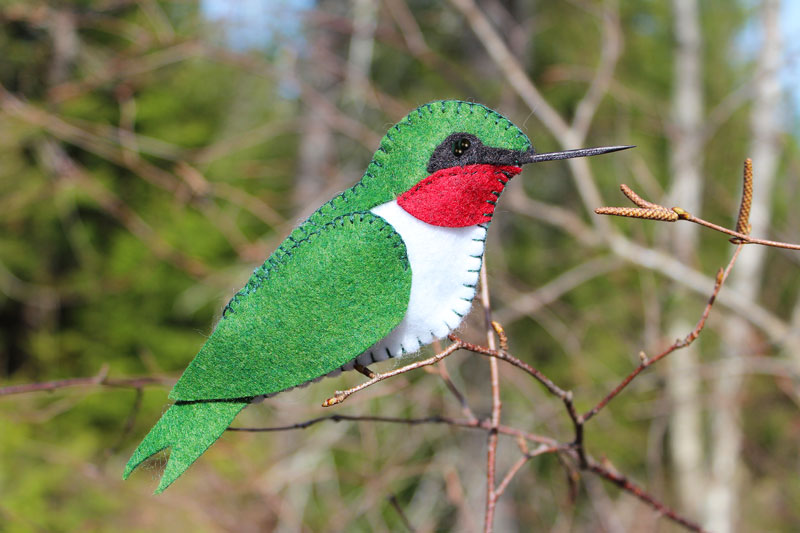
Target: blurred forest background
{"x":152,"y":153}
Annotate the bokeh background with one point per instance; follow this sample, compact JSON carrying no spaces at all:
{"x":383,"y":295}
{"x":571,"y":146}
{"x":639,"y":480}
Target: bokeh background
{"x":152,"y":153}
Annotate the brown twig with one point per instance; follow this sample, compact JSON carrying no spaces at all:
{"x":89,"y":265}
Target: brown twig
{"x":364,"y":370}
{"x":392,"y":499}
{"x":484,"y":424}
{"x":664,"y":214}
{"x":548,"y":445}
{"x":459,"y":396}
{"x":341,"y":396}
{"x":127,"y":429}
{"x":516,"y":467}
{"x":585,"y":462}
{"x":101,"y":379}
{"x":494,"y":373}
{"x":722,"y":275}
{"x":628,"y":486}
{"x":564,"y":395}
{"x":363,"y":418}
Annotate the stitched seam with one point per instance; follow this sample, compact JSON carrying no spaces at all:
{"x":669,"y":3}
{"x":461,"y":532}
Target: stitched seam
{"x":452,"y":172}
{"x":429,"y":106}
{"x":262,"y":273}
{"x":420,"y":344}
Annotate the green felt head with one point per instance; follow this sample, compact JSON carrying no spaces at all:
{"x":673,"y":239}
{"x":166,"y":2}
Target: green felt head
{"x":401,"y":160}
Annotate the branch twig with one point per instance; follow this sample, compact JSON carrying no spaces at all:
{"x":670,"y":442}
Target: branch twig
{"x":483,"y":424}
{"x":101,"y":379}
{"x":651,"y":211}
{"x":341,"y":396}
{"x":628,"y":486}
{"x":392,"y":499}
{"x":722,"y":275}
{"x":494,"y":372}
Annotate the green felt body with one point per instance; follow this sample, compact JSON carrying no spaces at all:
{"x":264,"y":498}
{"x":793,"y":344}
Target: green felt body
{"x":337,"y":285}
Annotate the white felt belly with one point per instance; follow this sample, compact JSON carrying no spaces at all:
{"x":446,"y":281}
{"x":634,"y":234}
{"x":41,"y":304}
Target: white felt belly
{"x":445,"y":266}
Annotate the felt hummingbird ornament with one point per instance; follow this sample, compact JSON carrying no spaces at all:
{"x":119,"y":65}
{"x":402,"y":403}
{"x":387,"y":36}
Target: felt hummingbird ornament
{"x":382,"y":269}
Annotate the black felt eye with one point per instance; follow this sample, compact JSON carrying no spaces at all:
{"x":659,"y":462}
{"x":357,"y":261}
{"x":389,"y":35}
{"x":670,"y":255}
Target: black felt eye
{"x":461,"y":146}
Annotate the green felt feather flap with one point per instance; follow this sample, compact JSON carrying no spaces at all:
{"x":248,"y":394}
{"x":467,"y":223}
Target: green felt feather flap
{"x":306,"y":313}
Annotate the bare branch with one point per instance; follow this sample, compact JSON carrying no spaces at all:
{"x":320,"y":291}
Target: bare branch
{"x":494,"y":379}
{"x":611,"y":48}
{"x":341,"y":396}
{"x":722,"y":275}
{"x":392,"y":499}
{"x":508,"y":64}
{"x":432,"y":420}
{"x":100,"y":380}
{"x":663,"y":214}
{"x":628,"y":486}
{"x":462,"y":400}
{"x":522,"y":461}
{"x":362,"y":418}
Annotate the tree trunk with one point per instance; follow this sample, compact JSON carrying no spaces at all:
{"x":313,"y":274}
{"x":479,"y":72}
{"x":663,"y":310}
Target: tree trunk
{"x":686,"y":163}
{"x":726,"y":435}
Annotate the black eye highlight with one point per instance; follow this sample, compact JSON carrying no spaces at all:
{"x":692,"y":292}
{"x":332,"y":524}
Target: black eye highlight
{"x":456,"y":150}
{"x":460,"y":146}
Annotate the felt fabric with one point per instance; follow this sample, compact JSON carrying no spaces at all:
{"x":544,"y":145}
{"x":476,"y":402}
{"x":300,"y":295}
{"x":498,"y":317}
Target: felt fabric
{"x":331,"y":296}
{"x":336,"y":287}
{"x":188,"y":429}
{"x":459,"y":196}
{"x":446,"y":263}
{"x":462,"y":148}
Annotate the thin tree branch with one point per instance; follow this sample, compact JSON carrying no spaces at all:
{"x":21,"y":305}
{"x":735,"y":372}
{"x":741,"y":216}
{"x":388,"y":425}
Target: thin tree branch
{"x":513,"y":71}
{"x":494,"y":373}
{"x":661,"y":213}
{"x":484,"y":424}
{"x":392,"y":499}
{"x":363,"y":418}
{"x":341,"y":396}
{"x":564,"y":395}
{"x":722,"y":275}
{"x":462,"y":400}
{"x":100,"y":380}
{"x":628,"y":486}
{"x":522,"y":461}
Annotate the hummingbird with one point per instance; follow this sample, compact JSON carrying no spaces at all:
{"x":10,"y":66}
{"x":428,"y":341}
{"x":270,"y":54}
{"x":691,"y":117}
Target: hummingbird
{"x":379,"y":271}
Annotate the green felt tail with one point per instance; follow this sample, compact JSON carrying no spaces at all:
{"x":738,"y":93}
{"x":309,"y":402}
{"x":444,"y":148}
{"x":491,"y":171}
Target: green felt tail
{"x":188,"y":429}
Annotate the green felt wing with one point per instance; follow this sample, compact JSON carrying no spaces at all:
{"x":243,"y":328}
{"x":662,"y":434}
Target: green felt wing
{"x":327,"y":299}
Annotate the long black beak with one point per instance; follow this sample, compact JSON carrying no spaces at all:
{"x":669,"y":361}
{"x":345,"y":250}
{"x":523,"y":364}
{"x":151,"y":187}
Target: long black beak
{"x":531,"y":157}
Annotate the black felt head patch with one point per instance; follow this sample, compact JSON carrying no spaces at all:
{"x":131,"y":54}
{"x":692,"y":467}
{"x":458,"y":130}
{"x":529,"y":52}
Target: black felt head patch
{"x":461,"y":149}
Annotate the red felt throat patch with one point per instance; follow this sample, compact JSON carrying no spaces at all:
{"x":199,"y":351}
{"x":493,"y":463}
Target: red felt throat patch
{"x":459,"y":196}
